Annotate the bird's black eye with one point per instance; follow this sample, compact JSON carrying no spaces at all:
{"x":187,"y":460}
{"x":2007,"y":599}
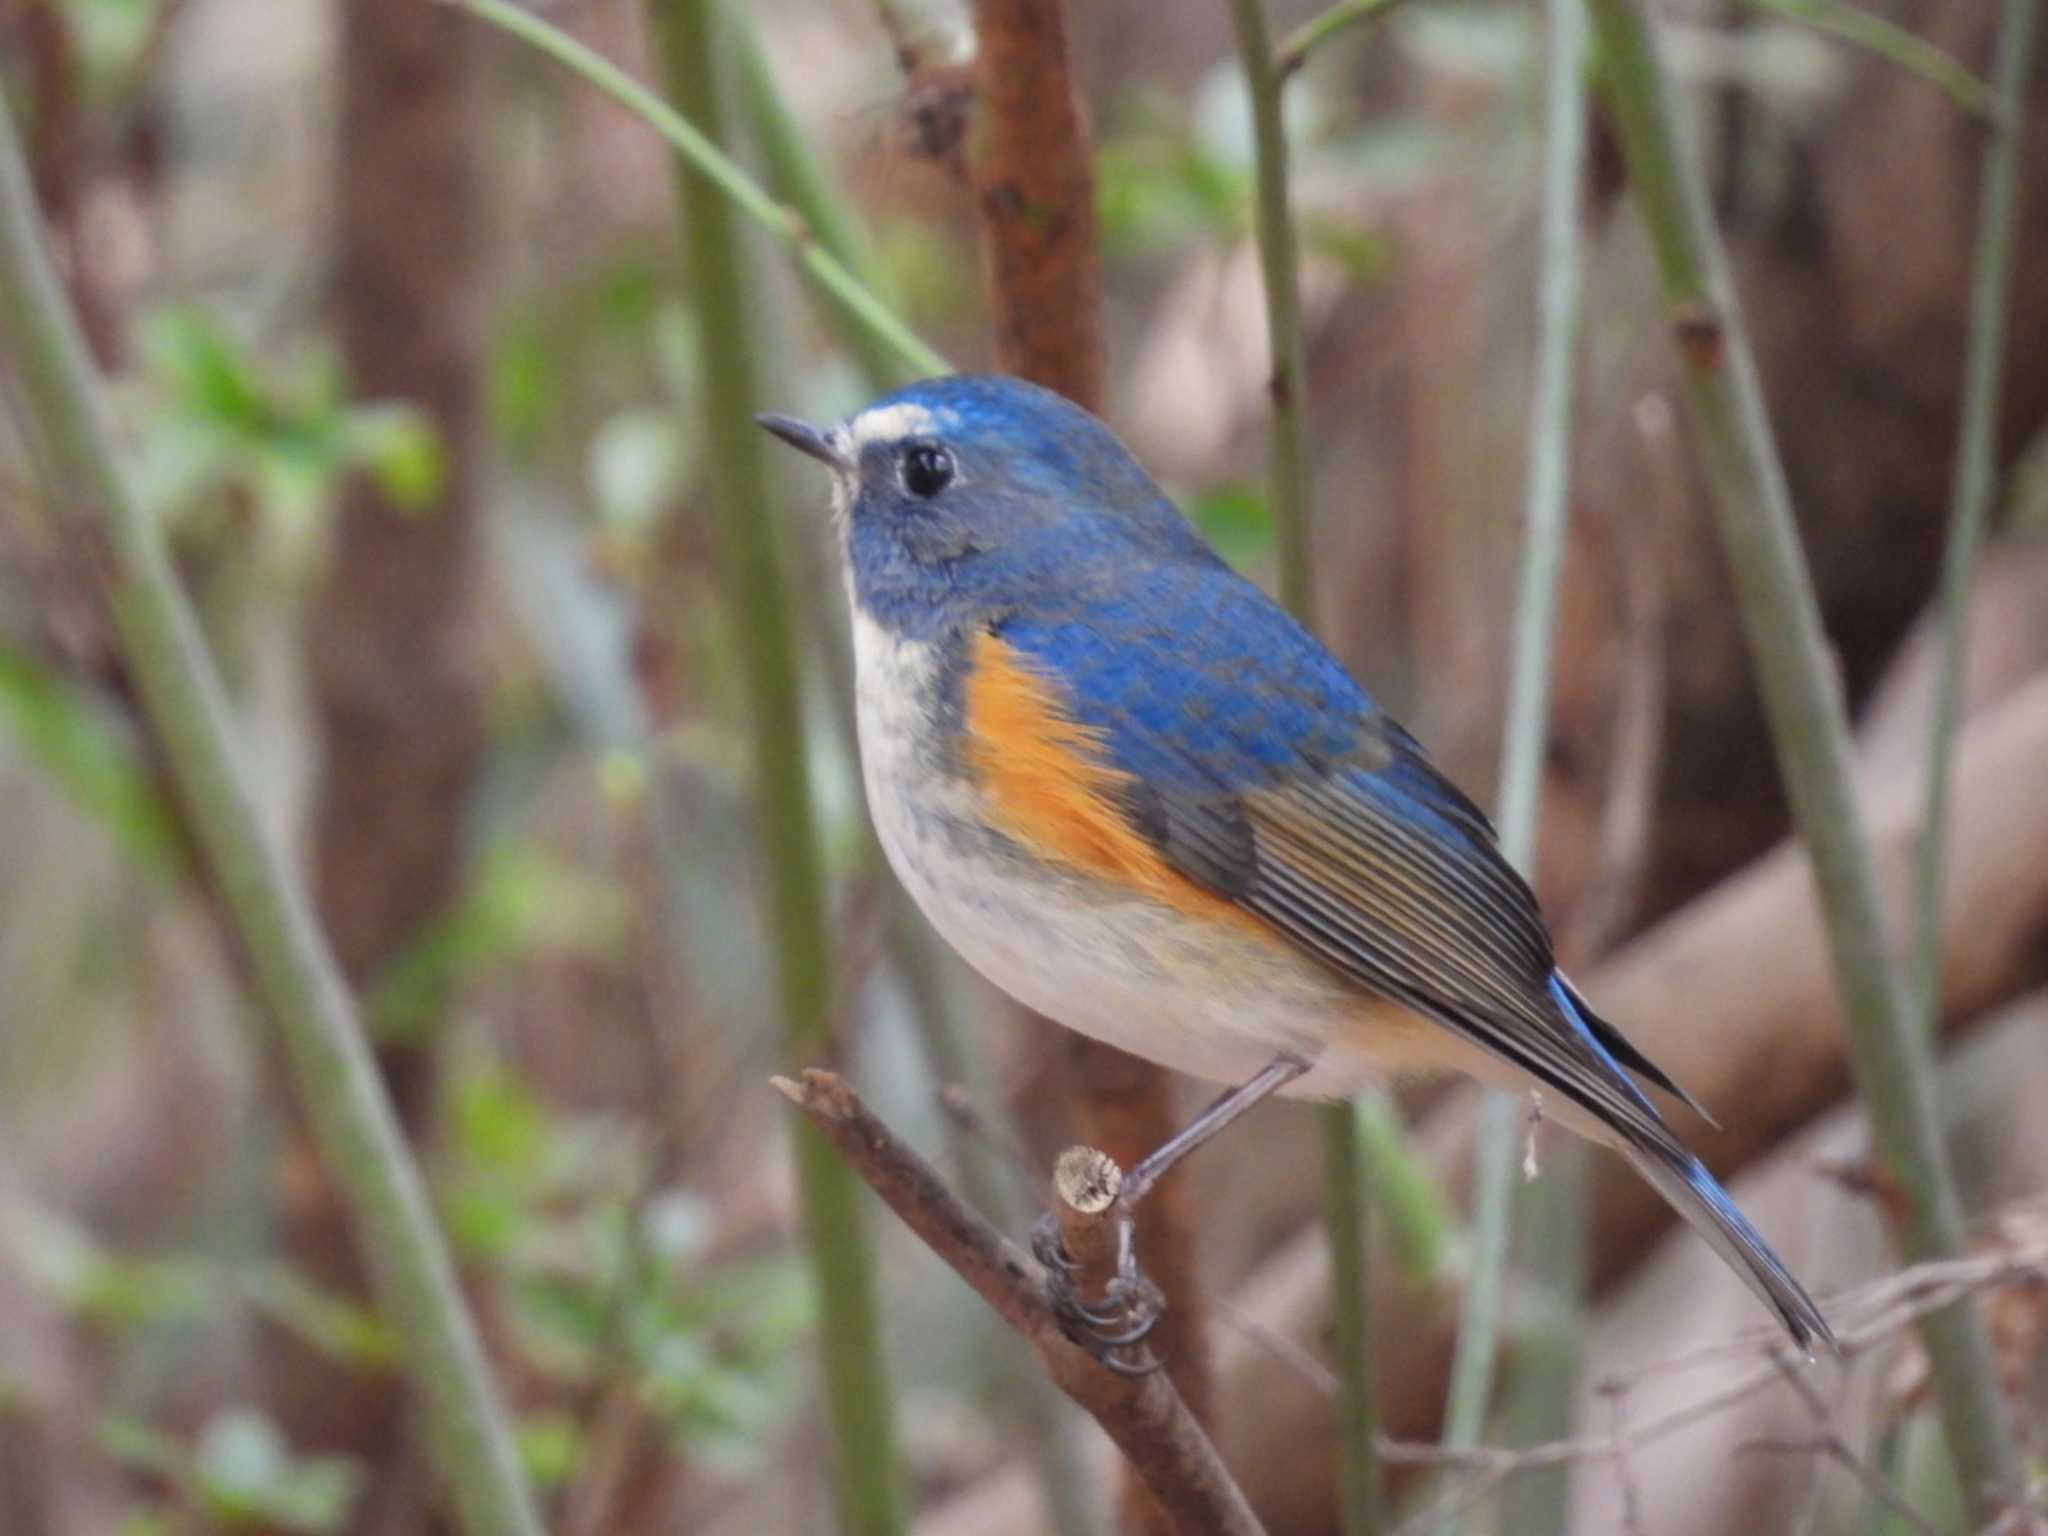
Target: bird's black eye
{"x":927,"y":468}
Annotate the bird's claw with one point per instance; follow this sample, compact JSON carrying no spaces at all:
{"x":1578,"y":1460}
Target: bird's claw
{"x":1111,"y":1329}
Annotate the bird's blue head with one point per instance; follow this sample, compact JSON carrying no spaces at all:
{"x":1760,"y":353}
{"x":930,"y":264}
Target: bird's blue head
{"x":968,"y":496}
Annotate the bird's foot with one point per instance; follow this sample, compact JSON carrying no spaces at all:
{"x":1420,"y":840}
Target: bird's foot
{"x":1113,"y":1329}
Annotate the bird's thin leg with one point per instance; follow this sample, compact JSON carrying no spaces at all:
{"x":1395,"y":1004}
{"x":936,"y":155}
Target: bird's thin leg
{"x":1154,"y":1165}
{"x":1130,"y":1310}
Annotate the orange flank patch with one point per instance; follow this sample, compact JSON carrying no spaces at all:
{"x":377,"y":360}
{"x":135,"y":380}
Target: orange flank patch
{"x":1047,"y":785}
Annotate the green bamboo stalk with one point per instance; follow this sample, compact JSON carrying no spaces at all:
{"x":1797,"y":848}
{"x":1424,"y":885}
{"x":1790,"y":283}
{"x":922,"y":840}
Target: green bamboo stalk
{"x":868,"y":1474}
{"x":858,"y":303}
{"x":295,"y":974}
{"x":1892,"y":1057}
{"x":1549,"y":1343}
{"x":1890,"y":42}
{"x":1975,"y":474}
{"x":1065,"y":1476}
{"x":1417,"y":1229}
{"x":1547,"y":501}
{"x":1344,"y":1203}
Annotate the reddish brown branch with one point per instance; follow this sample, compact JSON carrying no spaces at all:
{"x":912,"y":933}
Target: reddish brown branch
{"x":1036,"y":191}
{"x":1144,"y":1415}
{"x":1034,"y":188}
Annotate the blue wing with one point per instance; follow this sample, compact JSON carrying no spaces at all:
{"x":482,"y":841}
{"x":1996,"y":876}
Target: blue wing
{"x":1262,"y":771}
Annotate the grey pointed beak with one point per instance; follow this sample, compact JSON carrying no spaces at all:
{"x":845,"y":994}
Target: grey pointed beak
{"x":805,"y":438}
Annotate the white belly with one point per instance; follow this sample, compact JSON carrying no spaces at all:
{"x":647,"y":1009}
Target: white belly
{"x":1215,"y":1004}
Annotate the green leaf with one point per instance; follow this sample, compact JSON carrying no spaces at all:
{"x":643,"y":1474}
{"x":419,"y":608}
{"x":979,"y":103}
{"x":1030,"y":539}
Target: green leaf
{"x":111,"y":38}
{"x":517,"y":900}
{"x":1235,"y":519}
{"x":397,"y":446}
{"x":343,"y":1329}
{"x":103,"y":1288}
{"x":522,"y":384}
{"x":68,"y":737}
{"x":499,"y":1122}
{"x":244,"y":1472}
{"x":144,"y":1448}
{"x":204,"y":371}
{"x":1365,"y":254}
{"x":552,"y":1446}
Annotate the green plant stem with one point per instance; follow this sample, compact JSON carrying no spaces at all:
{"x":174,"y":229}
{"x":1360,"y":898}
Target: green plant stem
{"x":1323,"y":26}
{"x":1975,"y":474}
{"x":858,"y":303}
{"x":1547,"y":501}
{"x":1344,"y":1204}
{"x":1889,"y":41}
{"x":1065,"y":1474}
{"x":294,"y":971}
{"x":1416,"y":1222}
{"x":1892,"y":1057}
{"x":1347,"y":1216}
{"x":1279,"y":265}
{"x":1549,"y":1336}
{"x":868,"y":1480}
{"x":794,"y":172}
{"x":1469,"y":1391}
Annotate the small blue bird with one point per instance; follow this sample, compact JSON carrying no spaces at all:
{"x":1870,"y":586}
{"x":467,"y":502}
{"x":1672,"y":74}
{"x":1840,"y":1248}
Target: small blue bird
{"x":1139,"y":797}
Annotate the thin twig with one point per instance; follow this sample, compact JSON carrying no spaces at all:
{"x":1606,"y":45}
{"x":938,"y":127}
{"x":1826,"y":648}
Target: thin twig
{"x":1319,"y":29}
{"x":1616,"y":1394}
{"x":1794,"y":1374}
{"x":294,"y":970}
{"x":1034,"y":195}
{"x":1344,"y":1197}
{"x":814,"y":200}
{"x":868,"y":1479}
{"x":1891,"y":42}
{"x":1144,"y":1415}
{"x":1621,"y":847}
{"x":1871,"y":1317}
{"x":1975,"y":474}
{"x":1802,"y":698}
{"x":958,"y":1068}
{"x":859,"y":304}
{"x":1547,"y":503}
{"x":1834,"y":1448}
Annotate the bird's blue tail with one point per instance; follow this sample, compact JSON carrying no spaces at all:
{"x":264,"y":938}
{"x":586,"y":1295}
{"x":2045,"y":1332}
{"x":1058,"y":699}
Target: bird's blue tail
{"x":1657,"y":1153}
{"x":1682,"y":1180}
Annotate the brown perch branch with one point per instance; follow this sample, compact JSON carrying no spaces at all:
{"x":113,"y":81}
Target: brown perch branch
{"x":1035,"y":198}
{"x":1144,"y":1415}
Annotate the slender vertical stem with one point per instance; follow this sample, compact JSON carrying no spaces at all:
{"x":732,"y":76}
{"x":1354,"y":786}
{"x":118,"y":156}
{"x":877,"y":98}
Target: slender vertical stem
{"x":1279,"y":263}
{"x":1469,"y":1391}
{"x":827,"y":220}
{"x":1543,"y":1390}
{"x":1344,"y":1203}
{"x":1809,"y":728}
{"x":1323,"y":26}
{"x":1347,"y":1214}
{"x":1033,"y":177}
{"x":1890,"y":42}
{"x":1546,"y":501}
{"x":1975,"y":471}
{"x":859,"y":305}
{"x":868,"y":1477}
{"x":296,"y":978}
